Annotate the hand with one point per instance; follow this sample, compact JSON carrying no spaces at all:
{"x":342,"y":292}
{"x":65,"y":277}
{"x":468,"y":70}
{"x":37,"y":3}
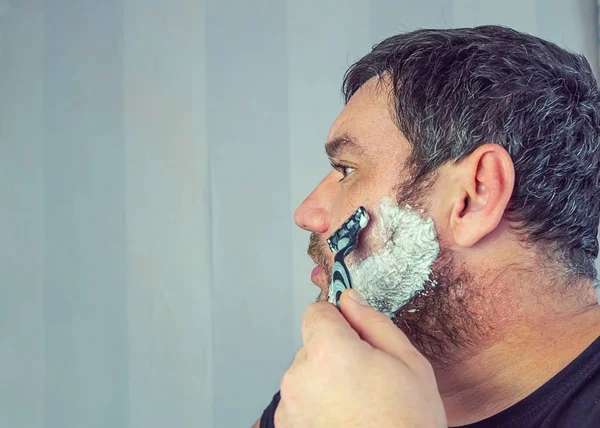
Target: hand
{"x":357,"y":369}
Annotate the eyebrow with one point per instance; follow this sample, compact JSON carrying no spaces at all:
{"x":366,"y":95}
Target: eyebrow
{"x":343,"y":143}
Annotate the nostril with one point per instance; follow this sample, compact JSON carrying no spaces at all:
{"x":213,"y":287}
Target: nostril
{"x":311,"y":219}
{"x":320,"y":223}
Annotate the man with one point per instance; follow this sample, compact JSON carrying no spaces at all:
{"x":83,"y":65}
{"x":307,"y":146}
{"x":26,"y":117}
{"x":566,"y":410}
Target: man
{"x":493,"y":137}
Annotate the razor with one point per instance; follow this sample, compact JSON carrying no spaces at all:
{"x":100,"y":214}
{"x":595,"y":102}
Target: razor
{"x":341,"y":243}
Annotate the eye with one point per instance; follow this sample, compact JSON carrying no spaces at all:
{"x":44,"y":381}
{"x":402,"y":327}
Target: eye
{"x":347,"y":170}
{"x":343,"y":169}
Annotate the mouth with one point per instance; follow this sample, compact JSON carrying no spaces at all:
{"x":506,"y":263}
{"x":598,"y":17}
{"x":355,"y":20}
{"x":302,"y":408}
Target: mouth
{"x":320,"y":277}
{"x":316,"y":273}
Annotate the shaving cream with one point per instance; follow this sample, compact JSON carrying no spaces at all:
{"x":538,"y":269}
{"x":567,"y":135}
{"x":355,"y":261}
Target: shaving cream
{"x":400,"y":268}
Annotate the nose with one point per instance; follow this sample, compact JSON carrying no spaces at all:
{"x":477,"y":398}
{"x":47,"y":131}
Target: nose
{"x":313,"y":212}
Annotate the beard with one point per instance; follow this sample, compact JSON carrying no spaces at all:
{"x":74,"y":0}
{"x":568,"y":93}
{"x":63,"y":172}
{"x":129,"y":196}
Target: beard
{"x":439,"y":320}
{"x":316,"y":250}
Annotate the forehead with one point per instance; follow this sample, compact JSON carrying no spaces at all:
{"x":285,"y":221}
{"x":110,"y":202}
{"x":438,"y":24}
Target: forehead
{"x":368,"y":119}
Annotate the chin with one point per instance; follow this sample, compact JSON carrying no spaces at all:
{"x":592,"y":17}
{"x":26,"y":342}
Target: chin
{"x":321,"y":281}
{"x":322,"y":297}
{"x":323,"y":294}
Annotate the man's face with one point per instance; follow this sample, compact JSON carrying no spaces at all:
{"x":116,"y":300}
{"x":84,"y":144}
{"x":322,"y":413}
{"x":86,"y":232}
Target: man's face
{"x":368,"y":154}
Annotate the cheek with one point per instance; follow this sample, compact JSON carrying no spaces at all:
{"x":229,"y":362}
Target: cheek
{"x":349,"y":195}
{"x":364,"y":248}
{"x":345,"y":201}
{"x":363,"y":191}
{"x":370,"y":241}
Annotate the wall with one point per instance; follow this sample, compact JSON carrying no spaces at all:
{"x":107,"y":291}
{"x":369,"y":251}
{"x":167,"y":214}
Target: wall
{"x":151,"y":156}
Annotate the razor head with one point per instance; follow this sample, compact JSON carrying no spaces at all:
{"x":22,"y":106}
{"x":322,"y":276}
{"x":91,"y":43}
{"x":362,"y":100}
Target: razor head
{"x":347,"y":233}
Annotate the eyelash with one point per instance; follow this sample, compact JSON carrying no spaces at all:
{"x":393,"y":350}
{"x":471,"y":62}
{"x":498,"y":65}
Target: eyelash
{"x":342,"y":169}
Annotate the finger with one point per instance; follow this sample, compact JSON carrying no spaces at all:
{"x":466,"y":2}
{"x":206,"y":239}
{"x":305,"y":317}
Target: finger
{"x":280,"y":418}
{"x":323,"y":318}
{"x":374,"y":327}
{"x":299,"y":357}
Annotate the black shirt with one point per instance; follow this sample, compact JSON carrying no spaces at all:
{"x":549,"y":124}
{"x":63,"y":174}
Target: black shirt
{"x":571,"y":399}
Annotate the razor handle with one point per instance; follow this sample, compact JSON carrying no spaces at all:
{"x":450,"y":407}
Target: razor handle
{"x":340,"y":275}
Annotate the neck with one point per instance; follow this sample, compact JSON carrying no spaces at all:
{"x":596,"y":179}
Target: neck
{"x":532,"y":343}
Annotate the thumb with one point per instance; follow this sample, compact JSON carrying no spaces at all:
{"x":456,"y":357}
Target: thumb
{"x":373,"y":327}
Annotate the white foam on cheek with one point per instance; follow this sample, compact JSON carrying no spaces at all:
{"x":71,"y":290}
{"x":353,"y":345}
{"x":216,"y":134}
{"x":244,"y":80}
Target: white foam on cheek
{"x":399,"y":270}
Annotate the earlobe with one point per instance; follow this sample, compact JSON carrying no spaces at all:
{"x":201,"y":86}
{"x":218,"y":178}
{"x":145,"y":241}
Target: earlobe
{"x":486,"y":183}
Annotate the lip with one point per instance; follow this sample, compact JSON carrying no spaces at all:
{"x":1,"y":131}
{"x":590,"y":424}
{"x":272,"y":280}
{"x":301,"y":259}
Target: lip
{"x":316,"y":272}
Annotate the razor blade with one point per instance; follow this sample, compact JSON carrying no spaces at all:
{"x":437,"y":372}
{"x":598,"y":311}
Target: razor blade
{"x":348,"y":232}
{"x":341,"y":243}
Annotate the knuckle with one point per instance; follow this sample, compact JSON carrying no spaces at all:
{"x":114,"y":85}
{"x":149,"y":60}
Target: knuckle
{"x":286,"y":387}
{"x":322,"y":351}
{"x":307,"y":318}
{"x":299,"y":357}
{"x":312,"y":313}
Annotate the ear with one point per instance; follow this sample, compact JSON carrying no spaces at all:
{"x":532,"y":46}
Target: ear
{"x":485,"y":185}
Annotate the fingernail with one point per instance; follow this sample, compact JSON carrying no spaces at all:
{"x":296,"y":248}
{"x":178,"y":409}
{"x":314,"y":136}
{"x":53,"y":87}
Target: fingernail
{"x":357,"y":297}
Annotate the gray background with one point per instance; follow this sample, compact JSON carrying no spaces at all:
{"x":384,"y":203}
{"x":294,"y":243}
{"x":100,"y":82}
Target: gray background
{"x":152,"y":153}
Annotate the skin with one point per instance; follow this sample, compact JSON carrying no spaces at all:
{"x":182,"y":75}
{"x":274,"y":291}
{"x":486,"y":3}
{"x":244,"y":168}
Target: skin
{"x":528,"y":326}
{"x":344,"y":352}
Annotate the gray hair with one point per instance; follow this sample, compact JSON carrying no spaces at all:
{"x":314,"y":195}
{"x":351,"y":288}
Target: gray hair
{"x":455,"y":90}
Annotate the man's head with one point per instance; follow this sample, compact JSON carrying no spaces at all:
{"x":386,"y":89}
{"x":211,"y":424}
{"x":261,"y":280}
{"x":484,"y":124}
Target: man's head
{"x":491,"y":134}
